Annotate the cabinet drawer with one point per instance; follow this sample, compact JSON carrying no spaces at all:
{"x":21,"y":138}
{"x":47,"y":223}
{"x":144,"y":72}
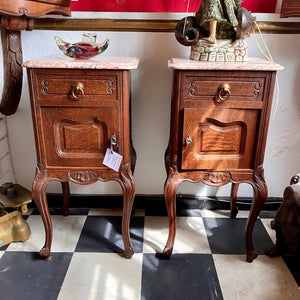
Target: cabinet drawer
{"x":72,"y":85}
{"x":222,"y":88}
{"x":78,"y":137}
{"x":218,"y":139}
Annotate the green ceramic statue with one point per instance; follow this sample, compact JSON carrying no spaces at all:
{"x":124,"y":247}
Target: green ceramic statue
{"x":217,"y":32}
{"x":218,"y":18}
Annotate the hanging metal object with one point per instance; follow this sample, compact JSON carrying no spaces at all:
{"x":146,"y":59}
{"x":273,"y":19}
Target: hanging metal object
{"x":187,"y":31}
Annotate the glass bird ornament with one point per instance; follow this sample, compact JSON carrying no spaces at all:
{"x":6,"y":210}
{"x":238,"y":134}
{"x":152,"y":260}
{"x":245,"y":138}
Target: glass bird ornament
{"x":81,"y":50}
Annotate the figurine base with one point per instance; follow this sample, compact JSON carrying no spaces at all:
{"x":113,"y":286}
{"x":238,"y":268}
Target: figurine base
{"x":221,"y":51}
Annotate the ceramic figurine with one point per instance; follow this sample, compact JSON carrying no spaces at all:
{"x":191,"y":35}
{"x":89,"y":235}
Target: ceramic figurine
{"x":217,"y":31}
{"x":81,"y":50}
{"x":218,"y":12}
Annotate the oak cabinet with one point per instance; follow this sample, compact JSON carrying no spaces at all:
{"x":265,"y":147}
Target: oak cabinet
{"x":81,"y":108}
{"x":219,"y":123}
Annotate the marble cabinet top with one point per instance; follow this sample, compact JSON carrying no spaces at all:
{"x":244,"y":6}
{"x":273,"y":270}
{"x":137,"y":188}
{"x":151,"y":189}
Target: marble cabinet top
{"x":253,"y":64}
{"x":97,"y":62}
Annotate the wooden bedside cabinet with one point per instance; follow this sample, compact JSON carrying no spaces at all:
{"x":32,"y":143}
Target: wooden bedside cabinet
{"x":81,"y":108}
{"x":219,"y":124}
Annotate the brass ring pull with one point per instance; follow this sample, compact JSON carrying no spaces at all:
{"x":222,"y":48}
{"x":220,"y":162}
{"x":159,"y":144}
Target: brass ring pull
{"x":188,"y":140}
{"x":77,"y":90}
{"x":224,"y":92}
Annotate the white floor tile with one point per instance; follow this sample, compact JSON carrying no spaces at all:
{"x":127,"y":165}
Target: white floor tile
{"x":271,"y":232}
{"x":66,"y":232}
{"x":97,"y":276}
{"x":264,"y":279}
{"x":1,"y":253}
{"x":190,"y":235}
{"x":223,"y":213}
{"x":113,"y":212}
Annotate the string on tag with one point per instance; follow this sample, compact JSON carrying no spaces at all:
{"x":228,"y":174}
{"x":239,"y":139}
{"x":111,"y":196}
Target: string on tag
{"x":269,"y":57}
{"x":114,"y":144}
{"x":185,"y":20}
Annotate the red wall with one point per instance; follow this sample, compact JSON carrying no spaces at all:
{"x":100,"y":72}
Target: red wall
{"x":266,"y":6}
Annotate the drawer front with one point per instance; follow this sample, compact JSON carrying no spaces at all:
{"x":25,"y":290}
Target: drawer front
{"x":218,"y":139}
{"x":221,"y":88}
{"x":78,"y":137}
{"x":73,"y":86}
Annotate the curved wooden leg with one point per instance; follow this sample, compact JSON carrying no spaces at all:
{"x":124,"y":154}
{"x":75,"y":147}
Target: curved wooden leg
{"x":260,"y":197}
{"x":233,"y":207}
{"x":39,"y":195}
{"x":128,"y":188}
{"x":170,"y":190}
{"x":66,"y":198}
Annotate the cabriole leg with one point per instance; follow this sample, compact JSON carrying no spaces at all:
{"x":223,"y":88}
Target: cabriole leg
{"x":66,"y":198}
{"x":128,"y":188}
{"x":39,"y":195}
{"x":260,"y":197}
{"x":170,"y":189}
{"x":233,"y":207}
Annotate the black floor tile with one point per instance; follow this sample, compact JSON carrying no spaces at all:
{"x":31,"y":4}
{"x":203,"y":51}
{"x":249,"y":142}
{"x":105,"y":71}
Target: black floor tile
{"x":103,"y":234}
{"x":185,"y":276}
{"x":184,"y":208}
{"x":156,"y":211}
{"x":180,"y":212}
{"x":227,"y":236}
{"x":36,"y":279}
{"x":293,"y":263}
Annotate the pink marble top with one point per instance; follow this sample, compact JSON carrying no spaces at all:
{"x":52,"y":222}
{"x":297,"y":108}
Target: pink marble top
{"x":253,"y":64}
{"x":97,"y":62}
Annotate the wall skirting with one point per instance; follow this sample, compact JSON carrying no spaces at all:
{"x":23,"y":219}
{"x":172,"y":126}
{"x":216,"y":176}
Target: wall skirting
{"x":157,"y":202}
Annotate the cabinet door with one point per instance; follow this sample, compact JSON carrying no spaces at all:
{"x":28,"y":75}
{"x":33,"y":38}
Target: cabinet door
{"x":218,"y":139}
{"x":78,"y":137}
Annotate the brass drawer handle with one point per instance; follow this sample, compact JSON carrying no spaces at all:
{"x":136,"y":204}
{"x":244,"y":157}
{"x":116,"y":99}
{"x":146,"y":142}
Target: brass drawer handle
{"x":188,"y":140}
{"x":224,"y":92}
{"x":77,"y":90}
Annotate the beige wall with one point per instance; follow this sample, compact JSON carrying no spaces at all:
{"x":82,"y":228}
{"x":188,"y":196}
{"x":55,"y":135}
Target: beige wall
{"x":151,"y":98}
{"x":6,"y":171}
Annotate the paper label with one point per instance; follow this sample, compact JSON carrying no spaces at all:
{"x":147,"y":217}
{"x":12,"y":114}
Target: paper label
{"x":112,"y":160}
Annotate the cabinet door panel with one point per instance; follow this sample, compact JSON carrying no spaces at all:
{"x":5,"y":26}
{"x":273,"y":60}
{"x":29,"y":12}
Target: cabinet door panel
{"x":218,"y":139}
{"x":78,"y":138}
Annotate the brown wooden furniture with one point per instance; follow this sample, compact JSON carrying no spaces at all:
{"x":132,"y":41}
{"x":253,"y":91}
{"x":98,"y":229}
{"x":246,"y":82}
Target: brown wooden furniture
{"x":219,"y":124}
{"x":290,"y":8}
{"x":16,"y":15}
{"x":78,"y":107}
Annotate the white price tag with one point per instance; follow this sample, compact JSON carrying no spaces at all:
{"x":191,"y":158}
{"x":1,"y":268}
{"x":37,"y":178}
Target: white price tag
{"x":112,"y":160}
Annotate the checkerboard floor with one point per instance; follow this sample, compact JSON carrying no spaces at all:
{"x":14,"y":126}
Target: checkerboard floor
{"x":208,"y":260}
